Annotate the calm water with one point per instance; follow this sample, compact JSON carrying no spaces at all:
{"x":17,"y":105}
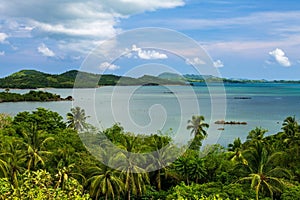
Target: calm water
{"x":147,"y":109}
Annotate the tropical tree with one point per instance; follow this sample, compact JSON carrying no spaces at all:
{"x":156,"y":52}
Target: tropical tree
{"x":263,"y":170}
{"x":13,"y":161}
{"x":130,"y":163}
{"x":290,"y":127}
{"x":105,"y":181}
{"x":182,"y":166}
{"x":36,"y":149}
{"x":235,"y":151}
{"x":3,"y":163}
{"x":162,"y":154}
{"x":197,"y":169}
{"x":256,"y":134}
{"x":77,"y":119}
{"x":291,"y":132}
{"x":43,"y":119}
{"x":197,"y":127}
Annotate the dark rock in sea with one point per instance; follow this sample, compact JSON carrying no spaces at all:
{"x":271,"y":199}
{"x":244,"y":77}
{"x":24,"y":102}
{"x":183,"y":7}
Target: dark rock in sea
{"x":69,"y":98}
{"x":242,"y":98}
{"x":230,"y":122}
{"x":168,"y":92}
{"x":150,"y":84}
{"x":221,"y":129}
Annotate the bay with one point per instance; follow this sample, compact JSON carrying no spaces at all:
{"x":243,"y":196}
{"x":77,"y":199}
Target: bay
{"x":148,"y":109}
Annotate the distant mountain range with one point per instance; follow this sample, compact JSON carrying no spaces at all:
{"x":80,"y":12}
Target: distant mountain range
{"x":27,"y":79}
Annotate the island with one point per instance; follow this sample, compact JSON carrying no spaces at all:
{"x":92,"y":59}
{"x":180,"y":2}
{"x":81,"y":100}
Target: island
{"x":32,"y":95}
{"x":230,"y":122}
{"x":32,"y":79}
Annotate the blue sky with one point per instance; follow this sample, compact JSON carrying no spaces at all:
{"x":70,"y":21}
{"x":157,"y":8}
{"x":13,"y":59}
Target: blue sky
{"x":246,"y":39}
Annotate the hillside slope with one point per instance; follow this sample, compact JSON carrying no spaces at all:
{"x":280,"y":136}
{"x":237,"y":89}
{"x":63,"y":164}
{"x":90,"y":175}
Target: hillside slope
{"x":30,"y":79}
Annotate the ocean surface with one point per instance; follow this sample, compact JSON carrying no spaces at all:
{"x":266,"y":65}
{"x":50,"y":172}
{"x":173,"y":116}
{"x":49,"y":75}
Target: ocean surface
{"x":147,"y":109}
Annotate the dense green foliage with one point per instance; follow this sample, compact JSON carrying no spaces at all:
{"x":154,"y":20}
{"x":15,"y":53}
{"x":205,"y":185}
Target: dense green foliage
{"x":42,"y":158}
{"x":31,"y":96}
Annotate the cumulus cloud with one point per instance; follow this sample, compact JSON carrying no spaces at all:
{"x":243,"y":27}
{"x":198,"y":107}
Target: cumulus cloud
{"x":3,"y":37}
{"x":90,"y":18}
{"x":218,"y":63}
{"x":45,"y":51}
{"x":2,"y":53}
{"x":195,"y":61}
{"x":108,"y":66}
{"x":145,"y":54}
{"x":280,"y":57}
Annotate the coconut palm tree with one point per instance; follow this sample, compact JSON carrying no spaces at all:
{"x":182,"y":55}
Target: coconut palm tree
{"x":105,"y":181}
{"x":235,"y":151}
{"x":12,"y":161}
{"x":290,"y":128}
{"x":129,"y":162}
{"x":162,"y":155}
{"x":197,"y":127}
{"x":256,"y":134}
{"x":77,"y":119}
{"x":263,"y":170}
{"x":36,"y":147}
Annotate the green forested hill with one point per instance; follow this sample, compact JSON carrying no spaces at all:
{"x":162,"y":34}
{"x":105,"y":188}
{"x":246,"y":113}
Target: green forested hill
{"x":35,"y":79}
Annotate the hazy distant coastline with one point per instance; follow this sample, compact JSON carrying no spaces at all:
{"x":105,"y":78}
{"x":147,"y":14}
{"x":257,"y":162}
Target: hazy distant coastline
{"x":32,"y":79}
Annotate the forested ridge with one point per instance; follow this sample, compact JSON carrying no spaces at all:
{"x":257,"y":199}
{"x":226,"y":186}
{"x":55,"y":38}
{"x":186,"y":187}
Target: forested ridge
{"x":32,"y":79}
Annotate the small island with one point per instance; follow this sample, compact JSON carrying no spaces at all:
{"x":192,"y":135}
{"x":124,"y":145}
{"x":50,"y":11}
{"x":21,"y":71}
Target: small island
{"x":242,"y":98}
{"x":39,"y":96}
{"x":230,"y":122}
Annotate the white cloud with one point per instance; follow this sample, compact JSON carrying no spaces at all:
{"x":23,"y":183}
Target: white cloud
{"x":146,"y":54}
{"x":2,"y":53}
{"x":108,"y":66}
{"x":195,"y":61}
{"x":45,"y":51}
{"x":76,"y":23}
{"x":253,"y":19}
{"x":280,"y":57}
{"x":218,"y":63}
{"x":3,"y":37}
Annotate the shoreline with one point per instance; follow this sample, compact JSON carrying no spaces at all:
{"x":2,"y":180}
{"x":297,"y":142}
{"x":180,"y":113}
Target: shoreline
{"x":192,"y":84}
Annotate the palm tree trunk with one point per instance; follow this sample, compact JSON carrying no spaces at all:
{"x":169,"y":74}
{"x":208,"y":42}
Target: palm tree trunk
{"x":158,"y":181}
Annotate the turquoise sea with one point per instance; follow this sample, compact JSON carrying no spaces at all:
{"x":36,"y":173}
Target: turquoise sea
{"x":149,"y":108}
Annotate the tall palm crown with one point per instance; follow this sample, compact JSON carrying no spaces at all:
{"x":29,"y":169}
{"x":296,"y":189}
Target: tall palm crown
{"x":263,"y":170}
{"x":290,"y":126}
{"x":197,"y":127}
{"x":77,"y":119}
{"x":257,"y":134}
{"x":235,"y":151}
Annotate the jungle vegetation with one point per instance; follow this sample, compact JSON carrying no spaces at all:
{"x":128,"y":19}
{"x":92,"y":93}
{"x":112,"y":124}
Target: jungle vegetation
{"x":43,"y":157}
